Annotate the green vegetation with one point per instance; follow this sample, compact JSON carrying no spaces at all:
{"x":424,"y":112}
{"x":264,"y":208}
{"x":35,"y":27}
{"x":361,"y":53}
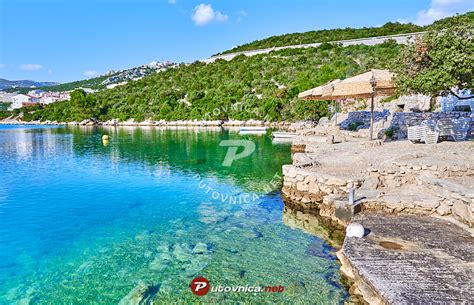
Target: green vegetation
{"x":263,"y":87}
{"x":390,"y":28}
{"x":389,"y":132}
{"x":437,"y":62}
{"x":353,"y":126}
{"x":4,"y":106}
{"x":4,"y":114}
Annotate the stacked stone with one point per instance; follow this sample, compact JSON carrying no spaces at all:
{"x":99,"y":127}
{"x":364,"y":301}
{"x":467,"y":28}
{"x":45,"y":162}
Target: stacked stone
{"x":316,"y":191}
{"x":428,"y":190}
{"x":401,"y":120}
{"x":364,"y":117}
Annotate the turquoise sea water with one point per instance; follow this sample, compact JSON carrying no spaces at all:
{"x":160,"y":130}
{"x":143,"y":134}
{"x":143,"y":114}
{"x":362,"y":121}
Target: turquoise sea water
{"x":85,"y":222}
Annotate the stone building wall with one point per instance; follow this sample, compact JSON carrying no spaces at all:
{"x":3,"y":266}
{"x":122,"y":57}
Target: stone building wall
{"x":363,"y":117}
{"x":401,"y":120}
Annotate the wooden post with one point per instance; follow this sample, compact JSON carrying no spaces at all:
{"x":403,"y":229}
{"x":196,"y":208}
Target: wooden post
{"x":373,"y":83}
{"x":372,"y":117}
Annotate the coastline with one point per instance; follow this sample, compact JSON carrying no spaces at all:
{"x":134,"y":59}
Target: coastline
{"x":283,"y":125}
{"x":400,"y":188}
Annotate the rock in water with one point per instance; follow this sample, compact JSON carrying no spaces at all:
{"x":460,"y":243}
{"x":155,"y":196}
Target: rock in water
{"x":160,"y":262}
{"x":182,"y":253}
{"x":193,"y":268}
{"x":163,"y":247}
{"x":200,"y":248}
{"x":355,"y":230}
{"x":143,"y":293}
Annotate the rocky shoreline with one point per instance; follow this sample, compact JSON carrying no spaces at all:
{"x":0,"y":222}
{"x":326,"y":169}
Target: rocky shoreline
{"x":283,"y":125}
{"x":426,"y":189}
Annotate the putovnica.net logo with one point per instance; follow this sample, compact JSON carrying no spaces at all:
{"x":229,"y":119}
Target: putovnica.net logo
{"x":200,"y":286}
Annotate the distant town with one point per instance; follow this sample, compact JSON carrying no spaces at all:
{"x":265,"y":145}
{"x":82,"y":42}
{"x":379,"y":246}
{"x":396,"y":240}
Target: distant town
{"x":15,"y":100}
{"x":10,"y":101}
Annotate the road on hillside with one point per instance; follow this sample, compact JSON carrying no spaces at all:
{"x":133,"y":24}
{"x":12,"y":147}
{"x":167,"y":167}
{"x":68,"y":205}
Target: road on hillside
{"x":399,"y":38}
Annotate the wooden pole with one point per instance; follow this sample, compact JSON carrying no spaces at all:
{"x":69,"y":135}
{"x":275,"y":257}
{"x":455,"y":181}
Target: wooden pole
{"x":371,"y":117}
{"x":373,"y":83}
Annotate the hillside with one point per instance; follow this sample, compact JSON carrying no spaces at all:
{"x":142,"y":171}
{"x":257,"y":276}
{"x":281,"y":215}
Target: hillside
{"x":390,"y":28}
{"x":97,"y":83}
{"x":6,"y":84}
{"x":266,"y":85}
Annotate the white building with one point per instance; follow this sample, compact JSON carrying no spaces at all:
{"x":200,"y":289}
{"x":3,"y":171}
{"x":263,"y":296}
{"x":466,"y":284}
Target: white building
{"x":36,"y":93}
{"x":6,"y":97}
{"x":21,"y":100}
{"x":48,"y":100}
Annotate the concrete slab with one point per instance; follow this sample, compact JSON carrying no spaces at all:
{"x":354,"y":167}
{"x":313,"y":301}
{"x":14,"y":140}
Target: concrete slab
{"x":413,"y":259}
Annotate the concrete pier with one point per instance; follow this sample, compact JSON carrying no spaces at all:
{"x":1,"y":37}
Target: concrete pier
{"x":409,"y":259}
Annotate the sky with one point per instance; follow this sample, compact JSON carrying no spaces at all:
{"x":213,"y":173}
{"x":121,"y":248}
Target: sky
{"x":67,"y":40}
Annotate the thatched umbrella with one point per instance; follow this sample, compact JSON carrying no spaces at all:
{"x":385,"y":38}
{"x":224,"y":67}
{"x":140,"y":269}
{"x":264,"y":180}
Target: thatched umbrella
{"x":366,"y":85}
{"x":322,"y":92}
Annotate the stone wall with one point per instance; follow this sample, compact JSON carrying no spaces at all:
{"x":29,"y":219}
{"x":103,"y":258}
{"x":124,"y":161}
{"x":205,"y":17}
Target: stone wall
{"x":411,"y":188}
{"x":424,"y":189}
{"x":401,"y":120}
{"x":317,"y":192}
{"x":364,"y":117}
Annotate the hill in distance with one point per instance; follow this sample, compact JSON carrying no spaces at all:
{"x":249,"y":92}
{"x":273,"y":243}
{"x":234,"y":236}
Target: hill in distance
{"x":101,"y":82}
{"x":7,"y":84}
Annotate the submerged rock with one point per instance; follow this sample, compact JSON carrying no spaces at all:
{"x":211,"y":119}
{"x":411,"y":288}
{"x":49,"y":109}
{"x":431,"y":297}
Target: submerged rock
{"x":143,"y":235}
{"x":194,"y":268}
{"x":200,"y":248}
{"x":210,"y":217}
{"x":182,"y":252}
{"x":160,"y":262}
{"x":252,"y":234}
{"x":143,"y":293}
{"x":163,"y":247}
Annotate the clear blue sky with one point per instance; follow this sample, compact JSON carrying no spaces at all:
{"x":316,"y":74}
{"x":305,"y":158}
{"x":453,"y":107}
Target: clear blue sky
{"x":66,"y":40}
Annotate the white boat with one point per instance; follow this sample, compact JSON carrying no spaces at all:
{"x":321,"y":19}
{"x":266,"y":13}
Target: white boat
{"x":283,"y":135}
{"x":253,"y":128}
{"x":282,"y":140}
{"x":254,"y":132}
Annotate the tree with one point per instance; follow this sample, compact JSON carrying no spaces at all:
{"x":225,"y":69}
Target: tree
{"x":437,"y":62}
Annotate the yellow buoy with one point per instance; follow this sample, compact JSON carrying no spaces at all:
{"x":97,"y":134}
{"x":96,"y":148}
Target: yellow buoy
{"x":105,"y":142}
{"x":105,"y":137}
